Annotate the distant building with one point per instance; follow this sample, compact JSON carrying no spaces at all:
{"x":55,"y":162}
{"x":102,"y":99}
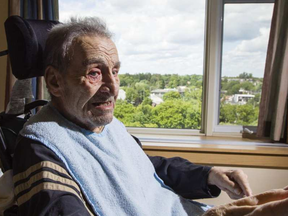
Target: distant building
{"x":161,"y":92}
{"x":243,"y":91}
{"x":228,"y":99}
{"x":121,"y":94}
{"x":242,"y":98}
{"x":181,"y":89}
{"x":156,"y":100}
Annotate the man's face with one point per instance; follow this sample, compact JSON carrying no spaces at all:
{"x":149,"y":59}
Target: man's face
{"x":90,"y":85}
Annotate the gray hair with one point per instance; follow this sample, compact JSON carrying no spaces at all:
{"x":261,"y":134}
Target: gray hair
{"x":61,"y":36}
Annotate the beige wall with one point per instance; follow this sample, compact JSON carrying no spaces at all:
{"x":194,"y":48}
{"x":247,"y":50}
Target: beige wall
{"x":3,"y":46}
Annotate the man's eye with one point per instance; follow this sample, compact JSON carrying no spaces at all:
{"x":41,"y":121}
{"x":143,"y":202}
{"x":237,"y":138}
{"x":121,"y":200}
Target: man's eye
{"x":93,"y":75}
{"x":114,"y":72}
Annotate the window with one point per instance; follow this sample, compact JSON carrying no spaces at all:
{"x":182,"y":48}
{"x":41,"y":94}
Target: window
{"x":161,"y":46}
{"x":246,"y":30}
{"x":223,"y":31}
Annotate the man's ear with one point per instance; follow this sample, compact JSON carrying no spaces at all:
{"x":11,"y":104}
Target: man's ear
{"x":53,"y":81}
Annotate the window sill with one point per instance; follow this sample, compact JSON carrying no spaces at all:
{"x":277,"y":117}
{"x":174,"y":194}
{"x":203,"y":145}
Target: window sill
{"x":219,"y":151}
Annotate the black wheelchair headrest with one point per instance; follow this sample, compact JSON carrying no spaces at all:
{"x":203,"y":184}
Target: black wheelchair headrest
{"x":26,"y":42}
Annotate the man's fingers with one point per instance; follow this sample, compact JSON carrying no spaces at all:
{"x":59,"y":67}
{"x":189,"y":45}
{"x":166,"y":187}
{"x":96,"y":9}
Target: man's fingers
{"x":232,"y":187}
{"x":273,"y":195}
{"x":273,"y":208}
{"x":269,"y":196}
{"x":229,"y":210}
{"x":240,"y":210}
{"x":242,"y":180}
{"x":233,"y":195}
{"x":233,"y":181}
{"x":246,"y":201}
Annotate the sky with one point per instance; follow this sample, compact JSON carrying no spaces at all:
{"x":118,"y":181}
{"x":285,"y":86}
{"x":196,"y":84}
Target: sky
{"x":166,"y":37}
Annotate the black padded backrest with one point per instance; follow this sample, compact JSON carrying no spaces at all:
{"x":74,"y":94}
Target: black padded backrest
{"x":10,"y":126}
{"x":26,"y":42}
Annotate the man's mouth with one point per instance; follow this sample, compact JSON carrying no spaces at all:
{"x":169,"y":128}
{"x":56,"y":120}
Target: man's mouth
{"x":104,"y":105}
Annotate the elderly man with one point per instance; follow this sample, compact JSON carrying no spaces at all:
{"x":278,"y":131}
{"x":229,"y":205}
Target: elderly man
{"x":75,"y":158}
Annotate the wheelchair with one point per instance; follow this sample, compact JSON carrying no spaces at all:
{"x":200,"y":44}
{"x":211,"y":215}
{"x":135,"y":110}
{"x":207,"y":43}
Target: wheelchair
{"x":26,"y":41}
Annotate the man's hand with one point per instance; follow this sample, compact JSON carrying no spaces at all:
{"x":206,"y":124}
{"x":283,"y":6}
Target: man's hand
{"x":233,"y":182}
{"x":273,"y":202}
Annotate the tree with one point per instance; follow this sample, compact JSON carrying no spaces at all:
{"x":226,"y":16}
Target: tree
{"x":245,"y":75}
{"x":143,"y":115}
{"x":255,"y":101}
{"x":247,"y":114}
{"x":131,"y":95}
{"x":193,"y":93}
{"x":174,"y":81}
{"x":160,"y":84}
{"x":177,"y":114}
{"x":247,"y":86}
{"x":147,"y":101}
{"x":124,"y":111}
{"x":135,"y":95}
{"x":176,"y":111}
{"x":238,"y":114}
{"x":232,"y":87}
{"x":234,"y":90}
{"x":171,"y":95}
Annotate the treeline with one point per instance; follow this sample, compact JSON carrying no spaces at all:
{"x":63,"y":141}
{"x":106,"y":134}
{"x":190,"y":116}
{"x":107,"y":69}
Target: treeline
{"x":183,"y":110}
{"x":175,"y":112}
{"x":158,"y":81}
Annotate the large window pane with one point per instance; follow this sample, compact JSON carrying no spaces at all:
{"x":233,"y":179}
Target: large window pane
{"x":160,"y":46}
{"x":245,"y":40}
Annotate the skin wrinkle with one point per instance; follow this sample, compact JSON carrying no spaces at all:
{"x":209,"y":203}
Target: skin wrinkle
{"x":81,"y":109}
{"x":110,"y":51}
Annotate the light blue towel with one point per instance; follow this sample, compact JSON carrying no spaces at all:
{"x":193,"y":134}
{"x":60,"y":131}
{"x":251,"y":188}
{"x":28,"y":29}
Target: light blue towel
{"x":113,"y":172}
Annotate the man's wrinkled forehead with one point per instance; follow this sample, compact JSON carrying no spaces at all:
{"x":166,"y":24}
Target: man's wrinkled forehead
{"x":95,"y":49}
{"x":90,"y":61}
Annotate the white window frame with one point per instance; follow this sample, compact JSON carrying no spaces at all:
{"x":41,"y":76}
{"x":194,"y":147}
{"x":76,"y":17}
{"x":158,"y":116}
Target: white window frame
{"x":213,"y":61}
{"x":213,"y":42}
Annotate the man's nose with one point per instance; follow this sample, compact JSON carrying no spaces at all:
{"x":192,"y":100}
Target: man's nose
{"x":110,"y":83}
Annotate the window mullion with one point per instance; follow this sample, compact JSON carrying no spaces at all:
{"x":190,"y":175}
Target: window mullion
{"x":212,"y":64}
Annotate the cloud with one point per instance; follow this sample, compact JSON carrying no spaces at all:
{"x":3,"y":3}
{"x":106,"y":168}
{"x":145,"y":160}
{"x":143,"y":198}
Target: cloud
{"x":126,"y":5}
{"x":242,"y":21}
{"x":257,"y":44}
{"x":246,"y":38}
{"x":188,"y":6}
{"x":248,"y":56}
{"x":167,"y":36}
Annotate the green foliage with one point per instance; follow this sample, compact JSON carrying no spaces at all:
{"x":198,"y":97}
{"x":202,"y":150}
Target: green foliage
{"x":158,"y":81}
{"x":232,"y":87}
{"x":182,"y":110}
{"x":177,"y":114}
{"x":124,"y":111}
{"x":238,"y":114}
{"x":245,"y":75}
{"x":174,"y":81}
{"x":193,"y":93}
{"x":172,"y":95}
{"x":147,"y":101}
{"x":247,"y":86}
{"x":136,"y":94}
{"x":256,"y":100}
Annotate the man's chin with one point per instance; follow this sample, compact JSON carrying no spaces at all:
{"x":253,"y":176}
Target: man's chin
{"x":103,"y":120}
